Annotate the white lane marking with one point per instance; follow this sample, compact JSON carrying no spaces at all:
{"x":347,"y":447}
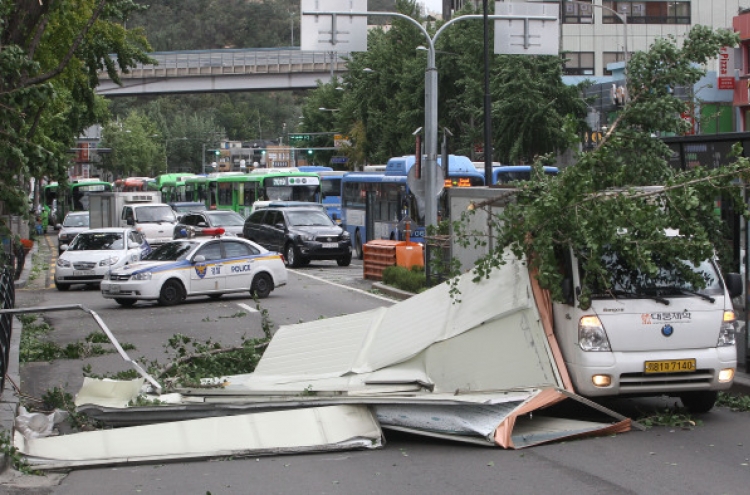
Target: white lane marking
{"x":247,"y":308}
{"x":376,"y":296}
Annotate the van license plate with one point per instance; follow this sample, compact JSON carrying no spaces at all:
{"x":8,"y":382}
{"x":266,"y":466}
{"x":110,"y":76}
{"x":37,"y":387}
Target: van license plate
{"x":114,"y":289}
{"x":671,"y":366}
{"x":330,"y":244}
{"x":83,"y":273}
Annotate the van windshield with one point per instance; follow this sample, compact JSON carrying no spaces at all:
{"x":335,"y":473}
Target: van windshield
{"x":668,"y":280}
{"x":155,"y":214}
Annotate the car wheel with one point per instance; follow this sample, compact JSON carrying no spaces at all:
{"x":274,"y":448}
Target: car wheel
{"x":215,"y":296}
{"x":262,"y":285}
{"x":171,"y":293}
{"x":345,"y":261}
{"x":61,"y":286}
{"x":358,"y":246}
{"x":125,"y":302}
{"x":291,"y":255}
{"x":699,"y":402}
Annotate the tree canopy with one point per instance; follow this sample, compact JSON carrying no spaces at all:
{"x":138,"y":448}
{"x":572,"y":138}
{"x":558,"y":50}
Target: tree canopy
{"x":51,"y":53}
{"x":381,"y":97}
{"x":580,"y":210}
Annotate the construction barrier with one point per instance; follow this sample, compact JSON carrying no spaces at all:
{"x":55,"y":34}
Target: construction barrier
{"x":381,"y":253}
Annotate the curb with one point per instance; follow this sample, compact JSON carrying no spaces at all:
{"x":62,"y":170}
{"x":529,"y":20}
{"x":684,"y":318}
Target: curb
{"x":392,"y":291}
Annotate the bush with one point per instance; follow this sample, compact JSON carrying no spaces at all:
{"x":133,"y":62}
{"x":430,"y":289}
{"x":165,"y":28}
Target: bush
{"x":410,"y":280}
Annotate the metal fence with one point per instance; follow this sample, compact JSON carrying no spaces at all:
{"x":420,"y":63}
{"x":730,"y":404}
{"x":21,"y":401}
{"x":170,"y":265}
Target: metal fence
{"x":7,"y":301}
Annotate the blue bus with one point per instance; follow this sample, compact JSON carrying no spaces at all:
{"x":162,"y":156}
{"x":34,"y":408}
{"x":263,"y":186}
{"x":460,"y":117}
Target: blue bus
{"x":505,"y":174}
{"x":392,"y":201}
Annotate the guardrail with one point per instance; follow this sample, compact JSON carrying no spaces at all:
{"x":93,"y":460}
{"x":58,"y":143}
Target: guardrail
{"x":7,"y":301}
{"x":236,"y":61}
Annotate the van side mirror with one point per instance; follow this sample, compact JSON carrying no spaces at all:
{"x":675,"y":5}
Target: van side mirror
{"x":734,"y":284}
{"x":567,"y":290}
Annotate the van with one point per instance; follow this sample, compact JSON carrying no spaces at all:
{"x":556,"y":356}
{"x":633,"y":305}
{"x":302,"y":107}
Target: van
{"x":657,"y":336}
{"x":155,"y":220}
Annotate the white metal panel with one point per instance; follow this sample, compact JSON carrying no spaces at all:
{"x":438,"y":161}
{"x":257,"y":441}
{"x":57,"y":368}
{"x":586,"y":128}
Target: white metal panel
{"x":292,"y":431}
{"x":527,"y":36}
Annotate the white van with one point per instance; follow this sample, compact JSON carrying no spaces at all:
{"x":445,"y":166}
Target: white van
{"x":650,"y":336}
{"x":657,"y":336}
{"x":155,"y":220}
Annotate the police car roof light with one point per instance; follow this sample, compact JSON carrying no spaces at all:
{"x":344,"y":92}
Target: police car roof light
{"x":215,"y":231}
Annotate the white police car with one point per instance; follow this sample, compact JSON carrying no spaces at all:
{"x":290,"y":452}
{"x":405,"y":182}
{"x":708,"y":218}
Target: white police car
{"x":197,"y":267}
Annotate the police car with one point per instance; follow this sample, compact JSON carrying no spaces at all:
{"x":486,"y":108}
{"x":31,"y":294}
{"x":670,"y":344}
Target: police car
{"x":197,"y":267}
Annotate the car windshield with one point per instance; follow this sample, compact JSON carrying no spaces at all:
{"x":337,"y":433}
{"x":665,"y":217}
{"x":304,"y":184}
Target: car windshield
{"x":668,"y":280}
{"x":155,"y":214}
{"x":99,"y":241}
{"x":171,"y":251}
{"x":226,"y":219}
{"x":76,"y":221}
{"x":309,"y":218}
{"x":188,"y":207}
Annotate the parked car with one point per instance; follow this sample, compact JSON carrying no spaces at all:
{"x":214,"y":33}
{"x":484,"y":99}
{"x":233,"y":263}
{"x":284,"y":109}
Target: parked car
{"x":182,"y":207}
{"x":197,"y":267}
{"x":95,"y":252}
{"x":73,"y":223}
{"x":301,"y":232}
{"x":200,"y":223}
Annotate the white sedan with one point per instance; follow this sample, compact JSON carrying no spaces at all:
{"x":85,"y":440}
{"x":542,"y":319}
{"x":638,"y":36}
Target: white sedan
{"x":93,"y":253}
{"x":197,"y":267}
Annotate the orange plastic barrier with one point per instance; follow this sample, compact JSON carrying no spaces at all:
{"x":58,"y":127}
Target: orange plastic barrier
{"x":381,"y":253}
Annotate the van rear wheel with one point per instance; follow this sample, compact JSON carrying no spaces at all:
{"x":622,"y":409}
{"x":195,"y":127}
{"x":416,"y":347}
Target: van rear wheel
{"x":699,"y":402}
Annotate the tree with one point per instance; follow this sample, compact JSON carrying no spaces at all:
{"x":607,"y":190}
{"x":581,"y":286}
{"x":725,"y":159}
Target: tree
{"x":50,"y":55}
{"x":578,"y":210}
{"x":137,"y":149}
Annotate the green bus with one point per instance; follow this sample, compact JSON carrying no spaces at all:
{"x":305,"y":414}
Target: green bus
{"x":74,"y":196}
{"x":241,"y":192}
{"x":173,"y":187}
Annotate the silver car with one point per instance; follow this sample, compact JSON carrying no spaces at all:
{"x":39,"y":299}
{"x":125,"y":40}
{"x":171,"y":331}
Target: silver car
{"x":74,"y":222}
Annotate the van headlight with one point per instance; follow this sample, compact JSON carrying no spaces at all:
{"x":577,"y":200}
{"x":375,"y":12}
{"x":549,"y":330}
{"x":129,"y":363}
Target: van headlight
{"x":63,"y":263}
{"x":345,"y":236}
{"x":591,"y":334}
{"x":727,"y":330}
{"x":141,"y":276}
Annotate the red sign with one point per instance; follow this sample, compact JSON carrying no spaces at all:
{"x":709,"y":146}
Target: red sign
{"x":689,"y":119}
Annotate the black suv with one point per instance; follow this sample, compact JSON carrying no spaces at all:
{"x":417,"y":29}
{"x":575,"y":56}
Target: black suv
{"x":301,"y":233}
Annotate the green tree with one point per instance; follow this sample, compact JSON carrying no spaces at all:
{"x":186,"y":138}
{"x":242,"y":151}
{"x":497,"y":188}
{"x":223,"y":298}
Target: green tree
{"x":50,"y":56}
{"x":137,"y":148}
{"x":578,"y":210}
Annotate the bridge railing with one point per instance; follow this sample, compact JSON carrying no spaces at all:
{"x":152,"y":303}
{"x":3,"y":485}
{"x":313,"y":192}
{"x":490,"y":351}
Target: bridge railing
{"x":233,"y":61}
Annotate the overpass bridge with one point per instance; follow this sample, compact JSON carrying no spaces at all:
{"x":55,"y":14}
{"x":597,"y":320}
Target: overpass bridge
{"x":219,"y":71}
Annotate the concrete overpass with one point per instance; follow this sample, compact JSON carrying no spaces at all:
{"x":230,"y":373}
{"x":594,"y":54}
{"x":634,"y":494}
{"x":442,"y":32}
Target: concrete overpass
{"x":218,"y":71}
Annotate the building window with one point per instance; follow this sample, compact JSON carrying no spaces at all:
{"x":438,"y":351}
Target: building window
{"x":609,"y":58}
{"x":647,"y":12}
{"x":579,"y":64}
{"x":577,"y":13}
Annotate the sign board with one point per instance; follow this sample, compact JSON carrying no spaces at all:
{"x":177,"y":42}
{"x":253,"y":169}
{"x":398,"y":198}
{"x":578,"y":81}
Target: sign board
{"x":339,"y":159}
{"x":339,"y":33}
{"x":418,"y":187}
{"x":523,"y":34}
{"x":726,"y":68}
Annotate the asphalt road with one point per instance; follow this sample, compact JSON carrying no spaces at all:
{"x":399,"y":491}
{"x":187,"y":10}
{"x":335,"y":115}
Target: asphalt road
{"x":712,"y":457}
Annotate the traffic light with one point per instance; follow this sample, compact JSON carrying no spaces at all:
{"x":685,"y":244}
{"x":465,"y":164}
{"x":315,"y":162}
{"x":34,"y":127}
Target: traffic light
{"x":217,"y":152}
{"x":309,"y":152}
